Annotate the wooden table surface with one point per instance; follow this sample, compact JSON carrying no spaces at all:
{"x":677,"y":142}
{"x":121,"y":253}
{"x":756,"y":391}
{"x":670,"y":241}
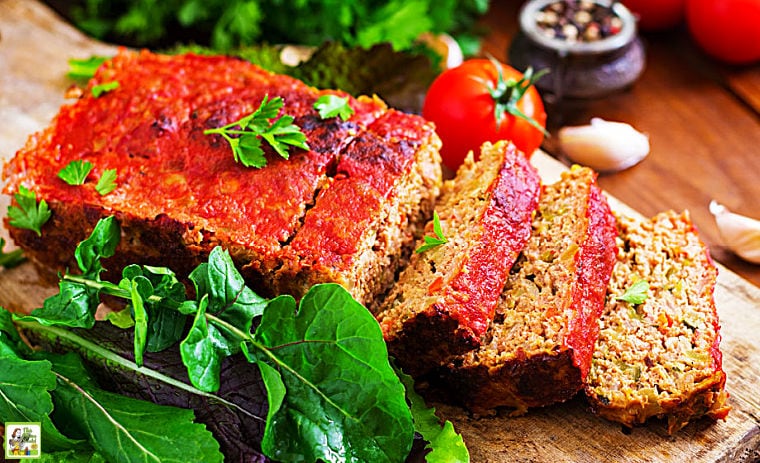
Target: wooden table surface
{"x":703,"y":122}
{"x":34,"y":48}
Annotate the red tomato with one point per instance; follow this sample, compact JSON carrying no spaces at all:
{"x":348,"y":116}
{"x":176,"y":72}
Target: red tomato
{"x":728,"y":30}
{"x":463,"y":101}
{"x":657,"y":14}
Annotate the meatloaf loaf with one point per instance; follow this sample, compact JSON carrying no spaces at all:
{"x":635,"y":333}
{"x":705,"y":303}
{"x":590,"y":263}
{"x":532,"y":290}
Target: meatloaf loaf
{"x":347,"y":210}
{"x":445,"y":298}
{"x":659,"y":355}
{"x":537,"y":349}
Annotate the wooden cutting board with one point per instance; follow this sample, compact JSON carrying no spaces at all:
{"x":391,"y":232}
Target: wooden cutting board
{"x":35,"y":45}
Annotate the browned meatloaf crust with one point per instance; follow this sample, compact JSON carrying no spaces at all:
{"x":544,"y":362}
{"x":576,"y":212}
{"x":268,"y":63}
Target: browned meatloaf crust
{"x":660,"y":357}
{"x":444,"y":300}
{"x":538,"y":348}
{"x":345,"y":211}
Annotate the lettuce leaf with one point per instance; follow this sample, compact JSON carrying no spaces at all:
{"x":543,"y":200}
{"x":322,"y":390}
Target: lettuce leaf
{"x":333,"y":395}
{"x":444,"y":444}
{"x":126,"y":429}
{"x":57,"y":391}
{"x":342,"y":399}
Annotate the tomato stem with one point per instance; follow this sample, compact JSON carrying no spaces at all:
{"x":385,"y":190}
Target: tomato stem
{"x":506,"y":94}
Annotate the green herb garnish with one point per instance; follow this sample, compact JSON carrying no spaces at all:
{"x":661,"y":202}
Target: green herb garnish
{"x":351,"y":393}
{"x":28,"y":214}
{"x":75,"y":172}
{"x":444,"y":444}
{"x":637,"y":293}
{"x":245,"y":134}
{"x":89,"y":421}
{"x":84,"y":69}
{"x":433,"y":241}
{"x":106,"y":182}
{"x":121,"y":319}
{"x":333,"y":106}
{"x":101,"y":89}
{"x":228,"y":23}
{"x":10,"y":259}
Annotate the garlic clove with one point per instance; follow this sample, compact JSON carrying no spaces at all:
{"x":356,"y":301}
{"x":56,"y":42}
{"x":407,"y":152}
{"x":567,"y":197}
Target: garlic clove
{"x":446,"y":46}
{"x":741,"y":234}
{"x":603,"y":145}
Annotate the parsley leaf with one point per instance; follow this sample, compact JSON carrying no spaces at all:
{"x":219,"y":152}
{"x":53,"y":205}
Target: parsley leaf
{"x":100,"y":89}
{"x":75,"y":172}
{"x":10,"y":259}
{"x":333,"y":106}
{"x":84,"y":69}
{"x":28,"y":214}
{"x":106,"y":182}
{"x":245,"y":134}
{"x":637,"y":293}
{"x":433,"y":241}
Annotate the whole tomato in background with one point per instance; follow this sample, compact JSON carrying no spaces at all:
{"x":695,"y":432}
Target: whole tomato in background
{"x":484,"y":100}
{"x":657,"y":14}
{"x":728,"y":30}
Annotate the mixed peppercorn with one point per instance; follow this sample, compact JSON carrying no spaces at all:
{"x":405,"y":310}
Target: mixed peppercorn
{"x":578,"y":21}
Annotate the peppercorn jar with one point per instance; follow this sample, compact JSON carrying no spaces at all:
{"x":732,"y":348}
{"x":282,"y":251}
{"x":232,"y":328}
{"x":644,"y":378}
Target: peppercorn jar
{"x":591,"y":48}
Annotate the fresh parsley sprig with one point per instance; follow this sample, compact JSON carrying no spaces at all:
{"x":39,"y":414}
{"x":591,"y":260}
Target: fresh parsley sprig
{"x":245,"y":135}
{"x":333,"y":106}
{"x":106,"y":182}
{"x":637,"y":293}
{"x":101,"y":89}
{"x":29,"y":214}
{"x":84,"y":69}
{"x":75,"y":172}
{"x":433,"y":241}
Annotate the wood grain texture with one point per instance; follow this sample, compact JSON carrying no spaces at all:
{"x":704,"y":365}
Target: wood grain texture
{"x":745,"y":82}
{"x":34,"y":48}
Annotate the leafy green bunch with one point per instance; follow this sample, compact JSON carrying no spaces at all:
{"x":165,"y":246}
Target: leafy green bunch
{"x":331,"y":390}
{"x":224,"y":24}
{"x":83,"y":423}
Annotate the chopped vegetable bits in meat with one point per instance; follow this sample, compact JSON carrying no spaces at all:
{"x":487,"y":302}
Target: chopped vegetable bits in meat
{"x":538,"y":348}
{"x":446,"y":297}
{"x":660,"y":358}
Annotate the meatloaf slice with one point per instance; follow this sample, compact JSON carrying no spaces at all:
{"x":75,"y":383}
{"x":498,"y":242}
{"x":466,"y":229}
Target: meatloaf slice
{"x":660,"y":356}
{"x":180,"y":192}
{"x":538,"y":348}
{"x":445,"y":298}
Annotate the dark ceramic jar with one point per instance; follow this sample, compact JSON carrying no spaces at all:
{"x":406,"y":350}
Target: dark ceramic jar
{"x":578,"y":69}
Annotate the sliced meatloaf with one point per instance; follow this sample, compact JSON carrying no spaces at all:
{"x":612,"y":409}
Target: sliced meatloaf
{"x":445,"y":298}
{"x":659,"y":356}
{"x":347,"y":210}
{"x":537,"y":349}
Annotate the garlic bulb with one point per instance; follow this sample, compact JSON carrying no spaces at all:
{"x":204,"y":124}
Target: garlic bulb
{"x":741,"y":234}
{"x":603,"y":145}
